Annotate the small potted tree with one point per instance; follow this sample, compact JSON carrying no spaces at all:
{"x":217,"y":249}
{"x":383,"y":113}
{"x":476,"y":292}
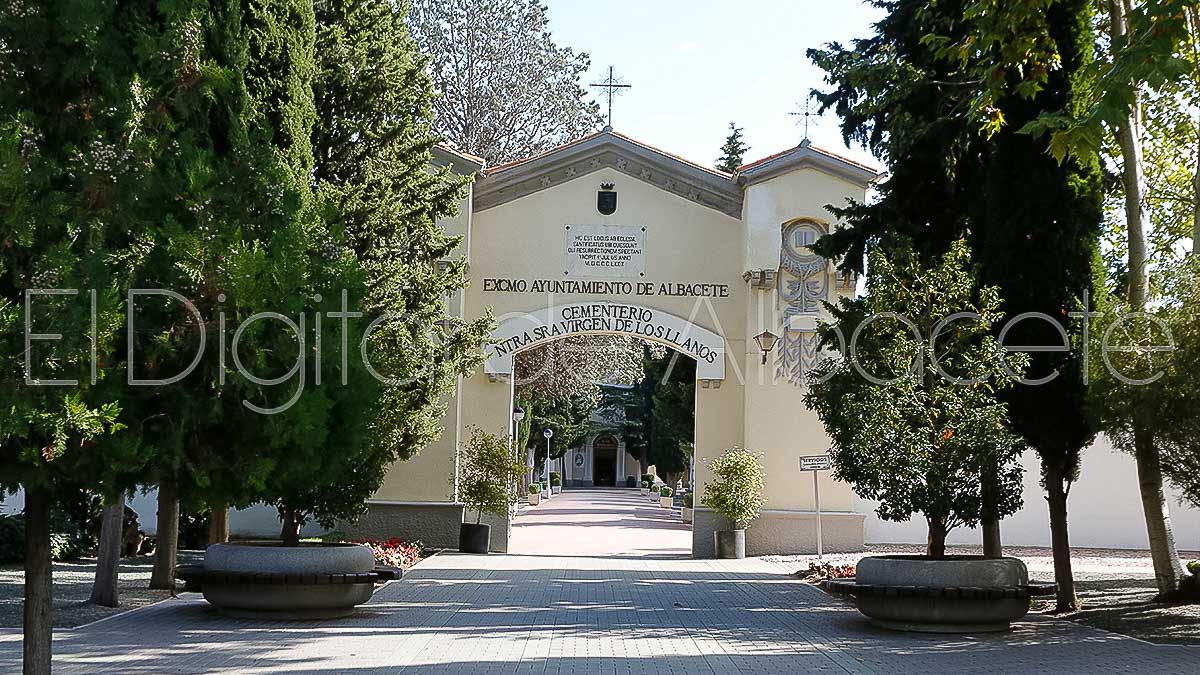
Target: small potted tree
{"x":487,"y":469}
{"x":645,"y":489}
{"x":736,"y":494}
{"x":535,"y":494}
{"x":555,"y":483}
{"x":666,"y":497}
{"x":686,"y":512}
{"x":545,"y":487}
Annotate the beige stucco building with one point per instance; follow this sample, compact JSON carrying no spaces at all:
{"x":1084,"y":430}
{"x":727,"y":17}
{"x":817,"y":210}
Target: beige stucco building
{"x":609,"y":235}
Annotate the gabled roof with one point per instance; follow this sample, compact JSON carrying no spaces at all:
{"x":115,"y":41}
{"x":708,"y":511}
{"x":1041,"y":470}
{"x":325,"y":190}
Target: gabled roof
{"x":463,"y":163}
{"x":609,"y":149}
{"x":807,"y":155}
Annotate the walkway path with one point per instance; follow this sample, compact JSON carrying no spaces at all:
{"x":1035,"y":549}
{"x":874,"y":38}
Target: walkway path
{"x":629,"y":614}
{"x":601,"y":522}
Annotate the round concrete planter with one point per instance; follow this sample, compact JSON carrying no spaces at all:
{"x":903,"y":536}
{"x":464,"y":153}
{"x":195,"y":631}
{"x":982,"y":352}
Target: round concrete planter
{"x":666,"y":502}
{"x":925,"y":609}
{"x":534,"y":499}
{"x":556,"y":489}
{"x":276,"y":600}
{"x":686,"y":514}
{"x":474,"y":538}
{"x":730,"y":544}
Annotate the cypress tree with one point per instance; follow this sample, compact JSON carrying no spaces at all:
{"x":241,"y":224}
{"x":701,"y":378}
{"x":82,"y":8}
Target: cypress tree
{"x":733,"y":151}
{"x":372,"y":149}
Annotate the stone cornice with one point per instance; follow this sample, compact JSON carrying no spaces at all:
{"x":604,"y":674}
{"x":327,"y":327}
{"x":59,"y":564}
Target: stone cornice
{"x":607,"y":149}
{"x":459,"y":162}
{"x":806,"y":155}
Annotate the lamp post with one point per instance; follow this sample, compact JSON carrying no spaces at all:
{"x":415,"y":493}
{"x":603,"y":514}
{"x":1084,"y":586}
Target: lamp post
{"x":548,"y":433}
{"x":766,"y":342}
{"x":518,"y":414}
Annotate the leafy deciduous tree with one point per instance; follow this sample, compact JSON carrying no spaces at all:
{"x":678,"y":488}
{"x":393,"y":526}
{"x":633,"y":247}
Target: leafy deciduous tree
{"x":506,"y":90}
{"x":914,"y":428}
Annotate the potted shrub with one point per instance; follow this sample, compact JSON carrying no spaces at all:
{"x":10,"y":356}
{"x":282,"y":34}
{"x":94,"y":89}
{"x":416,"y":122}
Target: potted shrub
{"x":735,"y":493}
{"x":666,"y":497}
{"x":555,"y":483}
{"x":920,"y":441}
{"x":686,"y":513}
{"x":545,"y":487}
{"x":487,"y":469}
{"x":631,"y":482}
{"x":535,"y":494}
{"x":645,"y":490}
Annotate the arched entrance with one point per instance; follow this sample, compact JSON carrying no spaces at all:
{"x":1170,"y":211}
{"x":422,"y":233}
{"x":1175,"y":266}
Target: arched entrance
{"x":604,"y":460}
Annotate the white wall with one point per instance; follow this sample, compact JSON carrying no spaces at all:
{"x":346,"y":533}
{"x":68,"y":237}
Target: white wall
{"x":1104,"y":508}
{"x":256,"y":521}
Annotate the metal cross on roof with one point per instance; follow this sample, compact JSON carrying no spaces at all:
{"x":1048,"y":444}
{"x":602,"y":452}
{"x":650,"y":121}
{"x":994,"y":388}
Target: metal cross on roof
{"x":612,"y":87}
{"x":806,"y":115}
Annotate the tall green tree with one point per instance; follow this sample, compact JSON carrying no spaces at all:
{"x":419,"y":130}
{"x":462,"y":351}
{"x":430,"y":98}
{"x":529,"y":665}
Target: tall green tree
{"x":921,"y":429}
{"x":372,"y":144}
{"x":567,"y":418}
{"x":1142,"y":47}
{"x":733,"y":152}
{"x":1032,"y":223}
{"x":69,"y":98}
{"x":236,"y":232}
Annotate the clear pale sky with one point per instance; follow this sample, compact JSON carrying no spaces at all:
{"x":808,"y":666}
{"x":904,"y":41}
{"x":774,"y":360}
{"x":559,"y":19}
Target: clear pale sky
{"x":697,"y":65}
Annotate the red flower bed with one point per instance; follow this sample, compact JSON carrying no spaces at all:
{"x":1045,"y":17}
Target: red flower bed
{"x":827,"y":571}
{"x":395,"y":552}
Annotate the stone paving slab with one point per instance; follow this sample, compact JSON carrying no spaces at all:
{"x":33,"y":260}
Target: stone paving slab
{"x":601,"y":522}
{"x":599,"y":585}
{"x":523,"y":614}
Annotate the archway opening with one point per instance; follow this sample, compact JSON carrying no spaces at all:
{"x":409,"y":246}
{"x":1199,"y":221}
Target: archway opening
{"x":620,"y":410}
{"x":604,"y":461}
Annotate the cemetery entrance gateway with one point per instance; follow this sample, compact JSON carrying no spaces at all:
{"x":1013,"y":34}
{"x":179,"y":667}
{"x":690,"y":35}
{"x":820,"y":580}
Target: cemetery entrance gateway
{"x":608,"y":235}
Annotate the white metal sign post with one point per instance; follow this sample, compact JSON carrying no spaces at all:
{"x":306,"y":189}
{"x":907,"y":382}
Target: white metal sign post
{"x":815,"y":463}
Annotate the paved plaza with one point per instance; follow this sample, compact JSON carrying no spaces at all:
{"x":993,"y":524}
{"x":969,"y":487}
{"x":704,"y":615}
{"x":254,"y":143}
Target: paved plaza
{"x":567,"y":613}
{"x":605,"y":522}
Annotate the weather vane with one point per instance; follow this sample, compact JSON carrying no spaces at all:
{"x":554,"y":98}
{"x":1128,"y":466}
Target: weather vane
{"x":612,"y":87}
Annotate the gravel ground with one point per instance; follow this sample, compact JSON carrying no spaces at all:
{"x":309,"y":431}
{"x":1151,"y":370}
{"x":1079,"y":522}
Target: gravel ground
{"x":1115,"y":587}
{"x":73,"y":587}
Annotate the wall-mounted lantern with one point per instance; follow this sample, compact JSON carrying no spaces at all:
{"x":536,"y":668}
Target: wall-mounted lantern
{"x":766,"y":342}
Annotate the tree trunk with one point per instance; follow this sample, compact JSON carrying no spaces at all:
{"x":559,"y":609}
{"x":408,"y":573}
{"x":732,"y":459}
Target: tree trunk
{"x":1168,"y":569}
{"x":218,"y":524}
{"x":1060,"y":542}
{"x":936,"y":547}
{"x":108,"y":560}
{"x":992,"y":547}
{"x":167,"y":537}
{"x":1196,"y":203}
{"x":1193,"y":16}
{"x":39,"y":584}
{"x":289,"y":531}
